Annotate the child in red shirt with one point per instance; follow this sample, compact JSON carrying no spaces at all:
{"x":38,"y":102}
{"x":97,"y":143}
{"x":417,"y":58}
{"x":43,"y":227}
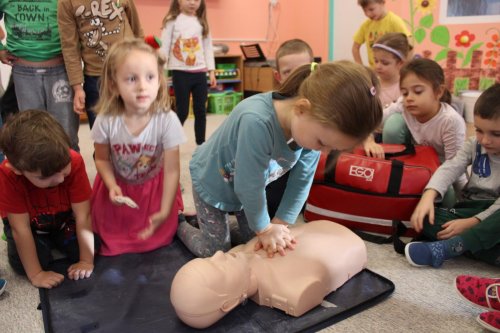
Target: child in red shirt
{"x":45,"y":199}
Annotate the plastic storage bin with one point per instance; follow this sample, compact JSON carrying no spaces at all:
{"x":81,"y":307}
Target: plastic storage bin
{"x":224,"y":102}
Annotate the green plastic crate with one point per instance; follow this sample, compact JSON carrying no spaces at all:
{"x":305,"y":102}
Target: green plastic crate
{"x":224,"y":102}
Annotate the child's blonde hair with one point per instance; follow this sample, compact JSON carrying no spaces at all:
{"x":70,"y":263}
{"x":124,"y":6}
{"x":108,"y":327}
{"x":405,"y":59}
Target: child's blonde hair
{"x":201,"y":13}
{"x":292,"y":46}
{"x":396,"y":43}
{"x":110,"y":101}
{"x":342,"y":95}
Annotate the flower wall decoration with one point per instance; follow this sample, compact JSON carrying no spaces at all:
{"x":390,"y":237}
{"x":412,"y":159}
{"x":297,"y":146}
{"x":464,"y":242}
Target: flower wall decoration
{"x":439,"y":34}
{"x":464,"y":39}
{"x":492,"y":49}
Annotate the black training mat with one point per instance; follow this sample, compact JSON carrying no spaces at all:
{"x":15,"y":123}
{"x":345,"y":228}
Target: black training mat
{"x":130,"y":293}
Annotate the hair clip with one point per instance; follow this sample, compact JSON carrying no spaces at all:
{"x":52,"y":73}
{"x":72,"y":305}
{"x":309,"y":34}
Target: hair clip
{"x":373,"y":91}
{"x":314,"y":66}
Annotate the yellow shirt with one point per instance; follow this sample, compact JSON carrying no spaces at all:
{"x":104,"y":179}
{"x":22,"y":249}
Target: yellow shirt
{"x":372,"y":30}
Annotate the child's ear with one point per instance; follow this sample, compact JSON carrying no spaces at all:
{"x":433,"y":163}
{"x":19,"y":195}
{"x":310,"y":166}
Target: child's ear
{"x":440,"y":91}
{"x":302,"y":105}
{"x":277,"y":76}
{"x":10,"y":166}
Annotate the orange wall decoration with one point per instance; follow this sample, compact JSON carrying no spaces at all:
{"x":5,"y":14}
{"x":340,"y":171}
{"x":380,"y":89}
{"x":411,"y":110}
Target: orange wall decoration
{"x":235,"y":21}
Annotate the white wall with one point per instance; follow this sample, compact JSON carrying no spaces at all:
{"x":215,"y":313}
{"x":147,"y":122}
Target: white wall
{"x":347,"y":17}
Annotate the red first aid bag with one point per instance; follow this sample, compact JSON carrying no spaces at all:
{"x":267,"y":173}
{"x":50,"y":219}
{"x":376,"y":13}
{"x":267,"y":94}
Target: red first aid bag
{"x":369,"y":194}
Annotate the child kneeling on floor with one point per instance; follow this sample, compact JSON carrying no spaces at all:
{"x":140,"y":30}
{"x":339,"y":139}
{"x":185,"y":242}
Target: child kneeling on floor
{"x":473,"y":224}
{"x":45,"y":199}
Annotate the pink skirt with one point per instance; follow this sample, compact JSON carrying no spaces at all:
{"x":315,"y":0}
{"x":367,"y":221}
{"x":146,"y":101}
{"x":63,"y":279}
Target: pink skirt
{"x":119,"y":226}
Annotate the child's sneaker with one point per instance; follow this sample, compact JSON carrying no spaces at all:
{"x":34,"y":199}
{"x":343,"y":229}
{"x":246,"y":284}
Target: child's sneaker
{"x":490,"y":320}
{"x":421,"y":254}
{"x":3,"y":284}
{"x":483,"y":292}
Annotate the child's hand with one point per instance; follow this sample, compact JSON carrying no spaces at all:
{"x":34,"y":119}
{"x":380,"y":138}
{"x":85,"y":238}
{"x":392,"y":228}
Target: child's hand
{"x":424,"y":208}
{"x":7,"y":58}
{"x":114,"y":192}
{"x":80,"y":270}
{"x":275,"y":238}
{"x":373,"y":149}
{"x":213,"y":80}
{"x":456,"y":227}
{"x":47,"y":279}
{"x":155,"y":221}
{"x":79,"y":101}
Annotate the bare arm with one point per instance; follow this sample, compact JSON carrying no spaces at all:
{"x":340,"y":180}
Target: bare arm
{"x":85,"y":236}
{"x":105,"y":169}
{"x":26,"y":248}
{"x":356,"y":54}
{"x":171,"y":174}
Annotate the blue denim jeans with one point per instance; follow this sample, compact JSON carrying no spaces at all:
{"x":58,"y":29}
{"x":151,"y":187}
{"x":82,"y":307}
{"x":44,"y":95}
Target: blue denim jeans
{"x":47,"y":88}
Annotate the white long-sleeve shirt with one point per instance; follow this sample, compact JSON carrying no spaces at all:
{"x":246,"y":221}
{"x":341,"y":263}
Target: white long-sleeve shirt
{"x":185,"y":47}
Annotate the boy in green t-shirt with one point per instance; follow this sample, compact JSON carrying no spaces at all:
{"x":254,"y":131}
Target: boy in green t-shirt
{"x":33,"y":49}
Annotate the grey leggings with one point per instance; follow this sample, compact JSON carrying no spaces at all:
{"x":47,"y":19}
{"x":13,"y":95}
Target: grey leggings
{"x":214,"y":232}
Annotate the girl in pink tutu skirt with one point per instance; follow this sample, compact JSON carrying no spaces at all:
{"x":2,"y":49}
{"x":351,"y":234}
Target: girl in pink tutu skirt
{"x":136,"y":196}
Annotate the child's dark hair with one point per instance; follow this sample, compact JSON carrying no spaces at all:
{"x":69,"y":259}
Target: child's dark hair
{"x":396,"y":43}
{"x":428,"y":70}
{"x":488,"y":104}
{"x":365,"y":3}
{"x":201,"y":14}
{"x":33,"y":140}
{"x":293,"y":46}
{"x":342,"y":95}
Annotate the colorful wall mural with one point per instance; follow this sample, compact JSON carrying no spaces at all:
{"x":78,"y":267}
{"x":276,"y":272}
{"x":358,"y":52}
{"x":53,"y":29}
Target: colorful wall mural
{"x":468,"y":52}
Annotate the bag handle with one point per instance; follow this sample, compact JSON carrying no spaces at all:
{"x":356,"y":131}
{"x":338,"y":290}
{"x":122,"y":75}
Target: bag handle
{"x":409,"y":150}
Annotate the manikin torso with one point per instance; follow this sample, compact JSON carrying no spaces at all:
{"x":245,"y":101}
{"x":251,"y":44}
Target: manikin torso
{"x":326,"y":256}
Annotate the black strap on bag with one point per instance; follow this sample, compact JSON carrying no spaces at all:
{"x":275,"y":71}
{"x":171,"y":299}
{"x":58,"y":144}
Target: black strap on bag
{"x":398,"y":230}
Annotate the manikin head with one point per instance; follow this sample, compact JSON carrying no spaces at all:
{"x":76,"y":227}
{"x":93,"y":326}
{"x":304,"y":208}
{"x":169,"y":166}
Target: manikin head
{"x":205,"y":290}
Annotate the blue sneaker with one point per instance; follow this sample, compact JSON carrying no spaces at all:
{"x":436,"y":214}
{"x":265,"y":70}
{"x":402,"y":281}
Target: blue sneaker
{"x":421,"y":254}
{"x":3,"y":284}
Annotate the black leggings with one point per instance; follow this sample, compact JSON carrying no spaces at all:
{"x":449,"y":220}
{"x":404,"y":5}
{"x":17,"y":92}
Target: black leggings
{"x":186,"y":83}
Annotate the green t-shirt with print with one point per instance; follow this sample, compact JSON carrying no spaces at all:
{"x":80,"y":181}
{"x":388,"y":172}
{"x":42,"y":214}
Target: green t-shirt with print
{"x":31,"y":27}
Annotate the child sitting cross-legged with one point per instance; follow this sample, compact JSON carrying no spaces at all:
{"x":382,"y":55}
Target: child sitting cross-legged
{"x":45,"y":199}
{"x":473,"y":224}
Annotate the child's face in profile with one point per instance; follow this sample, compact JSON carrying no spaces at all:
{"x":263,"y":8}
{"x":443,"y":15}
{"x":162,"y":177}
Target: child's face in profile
{"x":375,"y":11}
{"x":287,"y":64}
{"x":488,"y":134}
{"x":38,"y":180}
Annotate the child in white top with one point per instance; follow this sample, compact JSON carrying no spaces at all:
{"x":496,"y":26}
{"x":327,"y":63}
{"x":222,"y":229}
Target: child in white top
{"x":137,"y":141}
{"x":422,"y":115}
{"x":187,"y":45}
{"x":390,"y":53}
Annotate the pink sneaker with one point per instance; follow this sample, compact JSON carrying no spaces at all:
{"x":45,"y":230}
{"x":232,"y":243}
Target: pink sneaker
{"x":490,"y":320}
{"x":483,"y":292}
